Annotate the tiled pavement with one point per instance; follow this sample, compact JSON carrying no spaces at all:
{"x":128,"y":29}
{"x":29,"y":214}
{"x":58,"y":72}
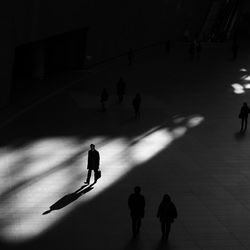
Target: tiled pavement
{"x":186,"y":144}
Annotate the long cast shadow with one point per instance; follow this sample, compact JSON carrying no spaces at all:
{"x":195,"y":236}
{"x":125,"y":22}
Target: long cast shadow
{"x":69,"y":198}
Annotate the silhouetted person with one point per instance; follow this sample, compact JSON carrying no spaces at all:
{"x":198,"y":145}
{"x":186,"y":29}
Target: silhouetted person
{"x":137,"y":105}
{"x":166,"y":213}
{"x":244,"y":111}
{"x":191,"y":50}
{"x":235,"y":49}
{"x":167,"y":46}
{"x":120,"y":88}
{"x":93,"y":163}
{"x":130,"y":56}
{"x":104,"y":99}
{"x":136,"y":203}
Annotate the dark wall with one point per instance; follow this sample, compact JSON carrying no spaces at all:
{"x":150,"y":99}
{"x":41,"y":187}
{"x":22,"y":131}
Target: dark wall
{"x":113,"y":26}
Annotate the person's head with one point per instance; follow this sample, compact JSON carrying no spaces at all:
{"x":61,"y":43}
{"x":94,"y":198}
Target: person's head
{"x":166,"y":198}
{"x":137,"y":189}
{"x":92,"y":146}
{"x":244,"y":103}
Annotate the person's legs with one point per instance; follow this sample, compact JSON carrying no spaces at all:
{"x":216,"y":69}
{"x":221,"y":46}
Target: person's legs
{"x":245,"y":123}
{"x":134,"y":226}
{"x":167,"y":229}
{"x":242,"y":124}
{"x":163,"y":228}
{"x":88,"y":176}
{"x":95,"y":175}
{"x":138,"y":225}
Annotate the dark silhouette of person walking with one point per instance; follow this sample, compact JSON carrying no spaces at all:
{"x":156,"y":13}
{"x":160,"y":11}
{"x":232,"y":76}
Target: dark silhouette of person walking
{"x":93,"y":163}
{"x":136,"y":203}
{"x":130,"y":56}
{"x":104,"y":99}
{"x":166,"y":213}
{"x":137,"y":105}
{"x":120,"y":88}
{"x":244,"y":111}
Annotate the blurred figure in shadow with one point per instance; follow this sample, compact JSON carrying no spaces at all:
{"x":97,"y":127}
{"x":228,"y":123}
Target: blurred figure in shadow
{"x":137,"y":105}
{"x":244,"y":111}
{"x":136,"y":204}
{"x":167,"y":46}
{"x":166,"y":213}
{"x":130,"y":56}
{"x":93,"y":163}
{"x":235,"y":49}
{"x":120,"y":88}
{"x":104,"y":99}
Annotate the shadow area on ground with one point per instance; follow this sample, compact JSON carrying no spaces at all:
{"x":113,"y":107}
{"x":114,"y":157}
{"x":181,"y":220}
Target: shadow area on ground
{"x":69,"y":198}
{"x":240,"y":135}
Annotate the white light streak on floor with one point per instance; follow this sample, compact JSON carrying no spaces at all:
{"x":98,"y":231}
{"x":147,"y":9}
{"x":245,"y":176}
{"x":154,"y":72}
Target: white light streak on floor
{"x":54,"y":167}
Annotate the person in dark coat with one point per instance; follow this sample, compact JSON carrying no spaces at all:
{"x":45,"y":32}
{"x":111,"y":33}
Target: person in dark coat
{"x":93,"y":163}
{"x":166,"y":213}
{"x":137,"y":105}
{"x":136,"y":204}
{"x":244,"y":111}
{"x":104,"y":99}
{"x":120,"y":88}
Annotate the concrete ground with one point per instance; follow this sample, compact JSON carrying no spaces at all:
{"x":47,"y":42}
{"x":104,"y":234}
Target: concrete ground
{"x":186,"y":143}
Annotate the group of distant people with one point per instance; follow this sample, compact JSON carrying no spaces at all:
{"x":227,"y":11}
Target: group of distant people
{"x":120,"y":90}
{"x":166,"y":212}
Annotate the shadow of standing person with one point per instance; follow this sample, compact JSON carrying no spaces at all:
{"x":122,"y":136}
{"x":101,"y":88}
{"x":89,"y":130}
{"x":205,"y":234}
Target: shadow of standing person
{"x":69,"y":198}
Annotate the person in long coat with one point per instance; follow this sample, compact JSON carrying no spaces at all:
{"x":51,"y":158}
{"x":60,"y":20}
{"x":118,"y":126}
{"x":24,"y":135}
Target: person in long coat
{"x":244,"y":111}
{"x":166,"y":214}
{"x":93,"y":163}
{"x":136,"y":203}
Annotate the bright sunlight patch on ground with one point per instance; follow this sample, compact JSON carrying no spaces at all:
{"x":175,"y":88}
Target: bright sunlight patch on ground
{"x":38,"y":175}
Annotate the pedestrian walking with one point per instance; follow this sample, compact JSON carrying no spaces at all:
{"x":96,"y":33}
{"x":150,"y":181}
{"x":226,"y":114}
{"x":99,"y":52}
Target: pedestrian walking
{"x":136,"y":204}
{"x":93,"y":164}
{"x":243,"y":115}
{"x":167,"y":213}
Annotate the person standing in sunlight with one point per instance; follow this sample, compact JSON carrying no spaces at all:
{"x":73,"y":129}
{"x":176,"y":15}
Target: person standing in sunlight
{"x":93,"y":163}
